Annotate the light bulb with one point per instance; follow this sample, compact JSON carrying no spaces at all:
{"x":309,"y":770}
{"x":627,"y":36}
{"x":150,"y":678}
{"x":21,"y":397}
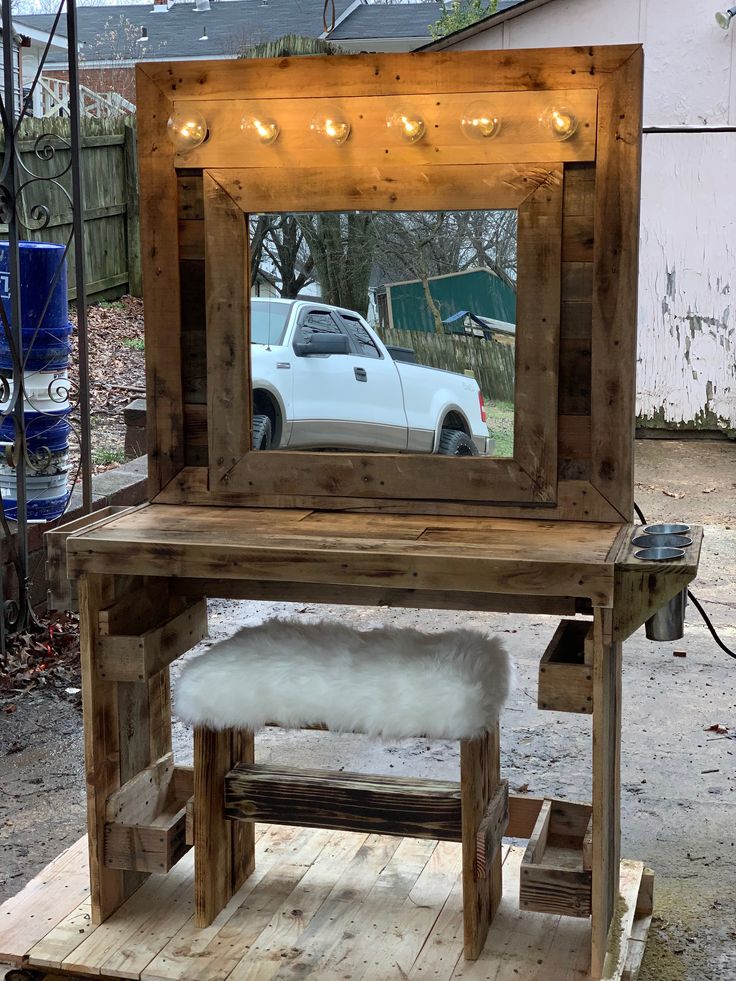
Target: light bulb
{"x":187,"y":129}
{"x":724,"y":20}
{"x":260,"y":129}
{"x":560,"y":121}
{"x":408,"y":124}
{"x":331,"y":124}
{"x":479,"y":123}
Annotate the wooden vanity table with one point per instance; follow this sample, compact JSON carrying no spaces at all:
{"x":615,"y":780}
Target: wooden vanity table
{"x":547,"y":531}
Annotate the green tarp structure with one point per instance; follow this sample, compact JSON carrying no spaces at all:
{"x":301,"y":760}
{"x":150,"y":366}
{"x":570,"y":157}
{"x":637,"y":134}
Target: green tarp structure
{"x":479,"y":290}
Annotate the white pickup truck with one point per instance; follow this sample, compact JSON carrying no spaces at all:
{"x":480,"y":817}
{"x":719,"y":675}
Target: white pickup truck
{"x":322,"y":379}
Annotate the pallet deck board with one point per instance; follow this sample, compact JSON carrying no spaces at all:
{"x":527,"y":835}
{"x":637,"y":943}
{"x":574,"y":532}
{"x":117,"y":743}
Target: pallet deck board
{"x":57,"y":889}
{"x":321,"y":904}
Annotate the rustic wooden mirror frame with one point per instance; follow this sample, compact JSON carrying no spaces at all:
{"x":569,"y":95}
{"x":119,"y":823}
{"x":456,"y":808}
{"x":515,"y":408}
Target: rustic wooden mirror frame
{"x":578,"y":221}
{"x":530,"y":476}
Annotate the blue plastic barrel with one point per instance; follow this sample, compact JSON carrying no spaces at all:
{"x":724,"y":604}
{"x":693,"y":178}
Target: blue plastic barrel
{"x":42,"y":431}
{"x":46,"y":335}
{"x":46,"y":340}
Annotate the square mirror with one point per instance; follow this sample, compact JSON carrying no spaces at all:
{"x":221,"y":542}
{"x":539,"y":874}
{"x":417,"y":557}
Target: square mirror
{"x":384,"y":332}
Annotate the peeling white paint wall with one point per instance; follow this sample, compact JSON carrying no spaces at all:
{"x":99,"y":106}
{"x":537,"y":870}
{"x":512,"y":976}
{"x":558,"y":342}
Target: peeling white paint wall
{"x":687,"y":288}
{"x":687,"y":275}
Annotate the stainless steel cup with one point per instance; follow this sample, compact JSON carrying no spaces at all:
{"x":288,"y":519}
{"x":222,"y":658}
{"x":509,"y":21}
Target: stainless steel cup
{"x":671,"y":529}
{"x":668,"y":623}
{"x":653,"y":541}
{"x":659,"y":554}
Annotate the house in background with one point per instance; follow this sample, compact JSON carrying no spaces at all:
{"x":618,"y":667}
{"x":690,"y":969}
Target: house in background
{"x":686,"y":376}
{"x":404,"y":306}
{"x":113,"y":38}
{"x":17,"y":70}
{"x":33,"y":42}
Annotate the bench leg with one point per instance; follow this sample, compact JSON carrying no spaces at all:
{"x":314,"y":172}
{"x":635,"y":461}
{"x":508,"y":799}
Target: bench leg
{"x":479,"y":780}
{"x":224,"y":851}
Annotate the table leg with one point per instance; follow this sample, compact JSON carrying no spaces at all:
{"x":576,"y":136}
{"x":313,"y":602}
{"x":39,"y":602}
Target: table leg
{"x":224,"y":850}
{"x":127,"y":726}
{"x":606,"y":784}
{"x":479,"y":780}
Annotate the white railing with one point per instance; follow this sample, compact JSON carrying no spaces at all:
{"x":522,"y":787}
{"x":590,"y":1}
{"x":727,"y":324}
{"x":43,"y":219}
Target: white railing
{"x":51,"y":100}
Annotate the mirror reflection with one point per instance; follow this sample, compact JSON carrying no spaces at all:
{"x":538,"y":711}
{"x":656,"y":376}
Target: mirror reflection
{"x":384,"y":331}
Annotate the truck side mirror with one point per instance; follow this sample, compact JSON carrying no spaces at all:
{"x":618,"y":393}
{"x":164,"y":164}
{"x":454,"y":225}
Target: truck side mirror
{"x":322,"y":344}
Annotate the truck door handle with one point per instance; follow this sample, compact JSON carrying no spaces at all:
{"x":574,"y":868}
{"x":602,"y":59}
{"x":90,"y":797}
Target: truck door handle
{"x":361,"y":374}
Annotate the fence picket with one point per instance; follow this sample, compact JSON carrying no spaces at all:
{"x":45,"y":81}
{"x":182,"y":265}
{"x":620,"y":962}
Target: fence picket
{"x":492,"y":363}
{"x":110,"y":184}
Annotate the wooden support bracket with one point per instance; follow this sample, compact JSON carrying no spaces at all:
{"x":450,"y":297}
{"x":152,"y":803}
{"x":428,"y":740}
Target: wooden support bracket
{"x":137,"y":657}
{"x":491,"y":831}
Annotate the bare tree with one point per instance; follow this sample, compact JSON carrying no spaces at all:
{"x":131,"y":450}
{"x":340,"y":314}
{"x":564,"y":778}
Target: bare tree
{"x":422,"y":245}
{"x":343,"y":247}
{"x":278,"y":241}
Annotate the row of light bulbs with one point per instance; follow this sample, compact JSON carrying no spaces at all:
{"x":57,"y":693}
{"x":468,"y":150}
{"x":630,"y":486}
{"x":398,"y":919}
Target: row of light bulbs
{"x":187,"y":128}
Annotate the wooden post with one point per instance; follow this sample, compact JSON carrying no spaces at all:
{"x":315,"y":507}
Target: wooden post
{"x":132,"y":212}
{"x":224,"y":851}
{"x":606,"y":845}
{"x":126,"y":727}
{"x":479,"y":778}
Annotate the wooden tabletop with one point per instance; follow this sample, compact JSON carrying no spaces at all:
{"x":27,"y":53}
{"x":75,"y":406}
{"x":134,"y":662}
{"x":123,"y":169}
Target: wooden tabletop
{"x":498,"y":555}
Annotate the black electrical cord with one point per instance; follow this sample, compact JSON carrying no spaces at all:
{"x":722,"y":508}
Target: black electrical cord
{"x":695,"y":602}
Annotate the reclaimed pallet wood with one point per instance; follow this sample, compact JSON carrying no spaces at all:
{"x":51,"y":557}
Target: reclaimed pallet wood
{"x":541,"y":558}
{"x":320,"y":904}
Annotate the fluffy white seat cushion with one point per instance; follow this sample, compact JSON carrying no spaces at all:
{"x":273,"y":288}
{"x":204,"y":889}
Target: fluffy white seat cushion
{"x":388,"y":682}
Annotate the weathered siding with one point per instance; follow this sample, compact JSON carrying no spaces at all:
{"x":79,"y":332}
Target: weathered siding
{"x":687,"y":312}
{"x":687,"y":315}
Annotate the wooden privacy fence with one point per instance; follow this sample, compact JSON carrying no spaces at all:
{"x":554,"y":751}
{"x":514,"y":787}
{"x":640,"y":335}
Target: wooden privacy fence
{"x":492,"y":363}
{"x":110,"y":185}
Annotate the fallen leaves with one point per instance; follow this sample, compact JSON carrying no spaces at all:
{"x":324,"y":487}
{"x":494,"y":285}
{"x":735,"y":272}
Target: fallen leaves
{"x":717,"y":727}
{"x":116,"y":372}
{"x":47,"y":657}
{"x":677,"y":497}
{"x":708,"y":490}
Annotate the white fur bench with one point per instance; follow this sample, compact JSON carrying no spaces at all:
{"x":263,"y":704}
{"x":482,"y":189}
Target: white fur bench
{"x":389,"y":683}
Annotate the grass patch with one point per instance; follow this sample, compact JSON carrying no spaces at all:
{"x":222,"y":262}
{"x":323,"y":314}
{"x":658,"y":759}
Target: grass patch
{"x":501,"y":426}
{"x":135,"y":343}
{"x":110,"y":304}
{"x":103,"y":457}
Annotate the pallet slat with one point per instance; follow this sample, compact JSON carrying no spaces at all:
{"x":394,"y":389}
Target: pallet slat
{"x":344,"y":801}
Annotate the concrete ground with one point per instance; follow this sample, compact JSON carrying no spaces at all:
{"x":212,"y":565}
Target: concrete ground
{"x":678,"y":778}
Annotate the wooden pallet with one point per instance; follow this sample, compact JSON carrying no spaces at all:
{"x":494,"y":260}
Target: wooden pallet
{"x":322,"y":904}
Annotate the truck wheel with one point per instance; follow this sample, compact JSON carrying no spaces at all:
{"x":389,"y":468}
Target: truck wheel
{"x":454,"y":442}
{"x":262,"y":433}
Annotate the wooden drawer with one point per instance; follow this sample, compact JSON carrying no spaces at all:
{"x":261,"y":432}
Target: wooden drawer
{"x":556,"y":867}
{"x":145,"y":828}
{"x":566,"y":669}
